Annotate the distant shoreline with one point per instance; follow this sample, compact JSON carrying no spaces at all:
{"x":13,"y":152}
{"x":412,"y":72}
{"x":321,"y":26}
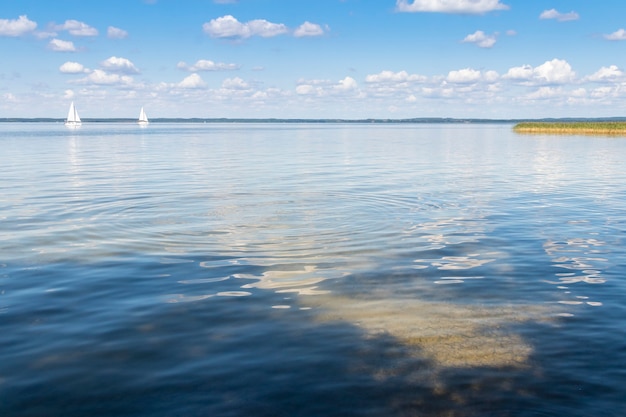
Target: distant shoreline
{"x":589,"y":127}
{"x":523,"y":122}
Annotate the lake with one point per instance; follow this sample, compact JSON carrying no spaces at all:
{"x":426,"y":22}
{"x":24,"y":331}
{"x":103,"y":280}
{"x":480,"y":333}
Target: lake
{"x":310,"y":270}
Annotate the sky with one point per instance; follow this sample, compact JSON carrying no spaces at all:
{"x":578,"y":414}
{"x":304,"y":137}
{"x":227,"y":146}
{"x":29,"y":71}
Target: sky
{"x":348,"y":59}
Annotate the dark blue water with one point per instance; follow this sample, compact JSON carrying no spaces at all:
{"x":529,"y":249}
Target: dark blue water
{"x":311,"y":270}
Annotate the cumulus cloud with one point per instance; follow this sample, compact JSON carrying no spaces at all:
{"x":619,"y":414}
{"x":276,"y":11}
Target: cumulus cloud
{"x":72,"y":68}
{"x":618,"y":35}
{"x":561,"y":17}
{"x":523,"y":73}
{"x":119,"y":65}
{"x":544,"y":93}
{"x":464,"y":76}
{"x":305,"y":89}
{"x":17,"y":27}
{"x":207,"y":65}
{"x":556,"y":71}
{"x":116,"y":33}
{"x":451,"y":6}
{"x":76,"y":28}
{"x":235,"y":84}
{"x":229,"y":27}
{"x":58,"y":45}
{"x":308,"y":29}
{"x":346,"y":84}
{"x":192,"y":81}
{"x":100,"y":77}
{"x":322,"y":88}
{"x":607,"y":74}
{"x":393,"y":77}
{"x":480,"y":39}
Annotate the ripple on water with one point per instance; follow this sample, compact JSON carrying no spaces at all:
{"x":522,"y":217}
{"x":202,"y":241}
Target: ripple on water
{"x":290,"y":278}
{"x":234,"y":294}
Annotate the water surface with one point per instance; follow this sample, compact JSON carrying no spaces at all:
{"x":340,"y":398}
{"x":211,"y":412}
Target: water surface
{"x":310,"y":269}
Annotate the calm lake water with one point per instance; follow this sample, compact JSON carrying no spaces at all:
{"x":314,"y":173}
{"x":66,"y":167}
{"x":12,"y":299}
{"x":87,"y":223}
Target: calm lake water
{"x":311,"y":270}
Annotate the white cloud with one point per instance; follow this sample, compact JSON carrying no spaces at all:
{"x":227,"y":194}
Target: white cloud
{"x":100,"y":77}
{"x":72,"y":68}
{"x":321,"y":88}
{"x":464,"y":76}
{"x":17,"y":27}
{"x":491,"y":76}
{"x":523,"y":73}
{"x":544,"y":93}
{"x":235,"y":84}
{"x":192,"y":81}
{"x":305,"y":89}
{"x":266,"y":29}
{"x":68,"y":94}
{"x":603,"y":92}
{"x":618,"y":35}
{"x":607,"y":74}
{"x":119,"y":65}
{"x":480,"y":39}
{"x":226,"y":27}
{"x":347,"y":84}
{"x":556,"y":71}
{"x":561,"y":17}
{"x":451,"y":6}
{"x":58,"y":45}
{"x":76,"y":28}
{"x":260,"y":95}
{"x":229,"y":27}
{"x":207,"y":65}
{"x":308,"y":29}
{"x":116,"y":33}
{"x":393,"y":77}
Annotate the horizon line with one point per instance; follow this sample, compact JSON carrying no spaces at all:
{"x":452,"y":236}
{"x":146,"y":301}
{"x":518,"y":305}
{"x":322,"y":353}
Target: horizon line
{"x":311,"y":120}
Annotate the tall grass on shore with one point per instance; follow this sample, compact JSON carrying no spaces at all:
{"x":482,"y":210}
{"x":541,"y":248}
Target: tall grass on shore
{"x":572,"y":128}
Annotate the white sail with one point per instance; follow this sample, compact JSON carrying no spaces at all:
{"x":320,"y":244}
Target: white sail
{"x":143,"y":119}
{"x":73,"y":119}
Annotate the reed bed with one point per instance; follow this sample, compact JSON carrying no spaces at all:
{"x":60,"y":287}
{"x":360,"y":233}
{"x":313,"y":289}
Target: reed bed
{"x":569,"y":128}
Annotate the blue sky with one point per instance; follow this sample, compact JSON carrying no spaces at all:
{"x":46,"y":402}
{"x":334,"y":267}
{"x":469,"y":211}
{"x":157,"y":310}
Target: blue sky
{"x":313,"y":58}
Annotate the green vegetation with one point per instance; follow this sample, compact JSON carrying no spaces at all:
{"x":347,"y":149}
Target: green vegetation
{"x":604,"y":128}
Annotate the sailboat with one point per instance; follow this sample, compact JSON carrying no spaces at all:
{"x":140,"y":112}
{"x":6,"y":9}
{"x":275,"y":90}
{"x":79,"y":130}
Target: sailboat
{"x":143,"y":119}
{"x":72,"y":117}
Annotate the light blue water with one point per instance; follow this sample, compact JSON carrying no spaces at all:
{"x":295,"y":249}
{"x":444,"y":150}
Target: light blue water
{"x":309,"y":270}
